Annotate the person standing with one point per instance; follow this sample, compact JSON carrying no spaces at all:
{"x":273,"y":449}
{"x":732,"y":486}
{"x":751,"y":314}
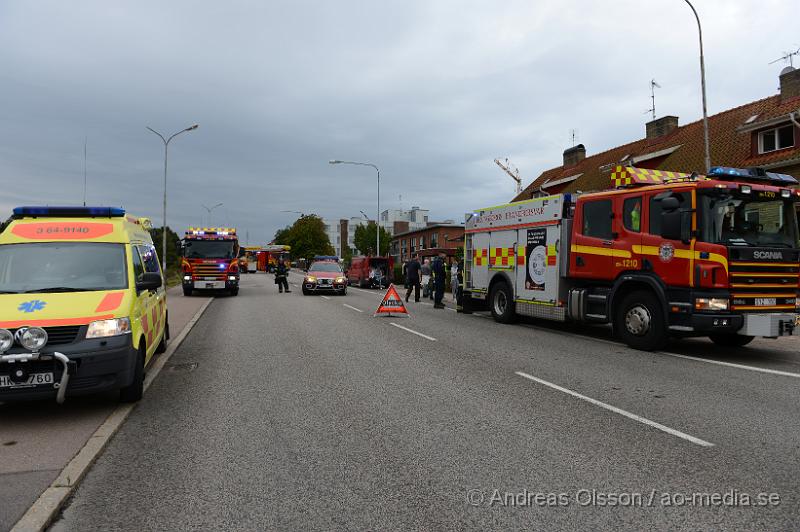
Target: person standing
{"x":454,"y":279}
{"x":412,"y":277}
{"x":281,"y":275}
{"x":425,"y":270}
{"x":439,"y":274}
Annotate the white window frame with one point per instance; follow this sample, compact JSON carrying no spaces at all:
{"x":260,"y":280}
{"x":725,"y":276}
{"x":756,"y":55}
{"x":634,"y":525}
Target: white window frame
{"x":774,"y":133}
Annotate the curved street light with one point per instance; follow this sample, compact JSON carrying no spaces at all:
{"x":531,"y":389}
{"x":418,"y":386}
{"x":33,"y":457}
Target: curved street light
{"x":164,"y":226}
{"x":209,"y":209}
{"x":703,"y":86}
{"x":378,"y":218}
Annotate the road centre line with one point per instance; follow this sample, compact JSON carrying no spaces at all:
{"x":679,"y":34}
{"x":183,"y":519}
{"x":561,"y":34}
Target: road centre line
{"x":324,"y":297}
{"x":352,"y":307}
{"x":659,"y":426}
{"x":732,"y":365}
{"x":431,"y":338}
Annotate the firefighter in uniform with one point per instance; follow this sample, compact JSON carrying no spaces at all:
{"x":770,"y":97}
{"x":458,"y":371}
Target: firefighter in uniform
{"x":439,"y":273}
{"x":281,"y":273}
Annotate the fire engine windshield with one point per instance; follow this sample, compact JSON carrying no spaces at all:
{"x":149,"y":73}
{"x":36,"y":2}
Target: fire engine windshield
{"x":62,"y":267}
{"x":209,"y":249}
{"x":741,"y":220}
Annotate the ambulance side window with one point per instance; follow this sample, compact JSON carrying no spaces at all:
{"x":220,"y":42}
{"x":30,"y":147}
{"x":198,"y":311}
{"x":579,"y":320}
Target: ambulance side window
{"x":138,"y":268}
{"x":632,"y":214}
{"x":150,"y":259}
{"x":597,"y":219}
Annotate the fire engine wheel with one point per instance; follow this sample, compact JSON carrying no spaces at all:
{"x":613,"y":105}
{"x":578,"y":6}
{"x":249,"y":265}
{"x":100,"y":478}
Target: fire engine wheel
{"x":187,"y":290}
{"x":640,"y":321}
{"x":502,"y":303}
{"x":731,"y":340}
{"x":133,"y":392}
{"x":234,"y":291}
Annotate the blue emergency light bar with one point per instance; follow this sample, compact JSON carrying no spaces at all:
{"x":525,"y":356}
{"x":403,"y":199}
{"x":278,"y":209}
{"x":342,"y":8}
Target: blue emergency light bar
{"x":70,"y":212}
{"x":757,"y":174}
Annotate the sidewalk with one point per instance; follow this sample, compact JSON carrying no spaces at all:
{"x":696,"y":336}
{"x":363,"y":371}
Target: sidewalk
{"x":39,"y":439}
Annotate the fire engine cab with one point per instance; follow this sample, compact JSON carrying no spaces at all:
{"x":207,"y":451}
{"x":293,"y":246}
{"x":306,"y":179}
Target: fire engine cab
{"x":210,"y":260}
{"x":663,"y":254}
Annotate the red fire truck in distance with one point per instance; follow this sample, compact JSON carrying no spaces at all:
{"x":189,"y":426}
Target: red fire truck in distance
{"x":663,"y":255}
{"x":210,"y":260}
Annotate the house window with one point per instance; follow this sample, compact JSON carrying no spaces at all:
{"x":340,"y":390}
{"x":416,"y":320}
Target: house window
{"x":776,"y":139}
{"x":434,"y":240}
{"x":422,"y":242}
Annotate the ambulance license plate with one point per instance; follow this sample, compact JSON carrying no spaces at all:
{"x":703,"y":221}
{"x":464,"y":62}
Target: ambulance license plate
{"x":34,"y":379}
{"x":765,"y":301}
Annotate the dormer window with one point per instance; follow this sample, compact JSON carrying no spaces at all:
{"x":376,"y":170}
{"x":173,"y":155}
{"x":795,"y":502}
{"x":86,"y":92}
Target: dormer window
{"x":776,"y":139}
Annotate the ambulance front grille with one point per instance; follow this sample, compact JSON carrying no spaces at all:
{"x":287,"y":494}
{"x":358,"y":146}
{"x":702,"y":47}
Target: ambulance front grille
{"x":60,"y":335}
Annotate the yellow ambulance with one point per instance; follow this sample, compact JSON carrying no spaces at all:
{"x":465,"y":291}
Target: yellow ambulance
{"x":83,"y":305}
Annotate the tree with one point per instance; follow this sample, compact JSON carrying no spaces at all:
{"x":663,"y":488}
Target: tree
{"x":364,"y":239}
{"x":307,"y":237}
{"x":173,"y":259}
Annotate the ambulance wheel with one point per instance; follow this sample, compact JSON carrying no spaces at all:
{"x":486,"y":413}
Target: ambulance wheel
{"x":731,"y":340}
{"x":502,"y":303}
{"x":133,"y":392}
{"x":187,"y":290}
{"x":640,"y":321}
{"x":162,"y":346}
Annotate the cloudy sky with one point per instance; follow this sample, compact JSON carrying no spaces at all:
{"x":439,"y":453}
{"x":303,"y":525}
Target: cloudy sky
{"x":430,"y":90}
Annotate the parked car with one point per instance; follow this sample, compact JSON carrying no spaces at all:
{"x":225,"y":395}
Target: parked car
{"x":371,"y":272}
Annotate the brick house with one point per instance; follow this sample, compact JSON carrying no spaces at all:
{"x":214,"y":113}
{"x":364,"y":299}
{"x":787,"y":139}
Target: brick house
{"x":427,"y":242}
{"x":764,"y":133}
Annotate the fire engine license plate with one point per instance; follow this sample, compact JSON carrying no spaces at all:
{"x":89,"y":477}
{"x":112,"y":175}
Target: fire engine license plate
{"x":209,"y":285}
{"x":765,"y":301}
{"x":34,"y":379}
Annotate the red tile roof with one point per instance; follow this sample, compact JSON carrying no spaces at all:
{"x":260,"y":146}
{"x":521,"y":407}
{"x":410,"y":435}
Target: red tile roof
{"x":729,"y":147}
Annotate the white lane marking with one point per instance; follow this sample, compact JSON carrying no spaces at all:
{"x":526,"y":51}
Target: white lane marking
{"x":659,"y":426}
{"x":324,"y":297}
{"x":379,"y":293}
{"x":448,"y":308}
{"x":351,"y":307}
{"x":732,"y":365}
{"x":431,"y":338}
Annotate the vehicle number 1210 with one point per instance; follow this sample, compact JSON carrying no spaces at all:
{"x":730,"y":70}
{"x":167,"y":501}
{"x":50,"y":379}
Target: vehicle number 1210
{"x":628,"y":263}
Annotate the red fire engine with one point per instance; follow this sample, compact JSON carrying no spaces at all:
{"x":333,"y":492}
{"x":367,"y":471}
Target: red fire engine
{"x":664,"y":254}
{"x":210,"y":260}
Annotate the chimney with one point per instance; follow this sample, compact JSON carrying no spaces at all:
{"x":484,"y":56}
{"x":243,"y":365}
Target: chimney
{"x":790,"y":83}
{"x":661,"y":126}
{"x":574,"y":155}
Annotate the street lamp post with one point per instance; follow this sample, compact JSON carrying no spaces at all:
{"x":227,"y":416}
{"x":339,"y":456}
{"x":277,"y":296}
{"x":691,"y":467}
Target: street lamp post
{"x":209,"y":209}
{"x":164,"y":226}
{"x":378,"y":218}
{"x":703,"y":86}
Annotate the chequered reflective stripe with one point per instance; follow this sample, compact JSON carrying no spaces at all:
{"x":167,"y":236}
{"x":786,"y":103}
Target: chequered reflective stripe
{"x":501,"y":256}
{"x":521,"y":256}
{"x":153,"y":322}
{"x":479,"y":257}
{"x":628,"y":175}
{"x":551,"y":254}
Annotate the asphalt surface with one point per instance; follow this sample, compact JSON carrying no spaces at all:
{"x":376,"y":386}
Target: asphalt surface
{"x":281,"y":412}
{"x":37,"y":439}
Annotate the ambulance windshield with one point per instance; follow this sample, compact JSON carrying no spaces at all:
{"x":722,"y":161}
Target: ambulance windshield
{"x":62,"y":267}
{"x":209,"y":249}
{"x":741,"y":220}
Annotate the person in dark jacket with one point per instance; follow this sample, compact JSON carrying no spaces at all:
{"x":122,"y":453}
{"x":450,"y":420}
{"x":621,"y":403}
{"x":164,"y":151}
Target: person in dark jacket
{"x":281,"y":274}
{"x":439,"y":273}
{"x":412,"y":277}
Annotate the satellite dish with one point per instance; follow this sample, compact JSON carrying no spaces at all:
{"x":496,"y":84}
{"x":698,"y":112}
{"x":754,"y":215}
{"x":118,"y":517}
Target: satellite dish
{"x":787,"y":69}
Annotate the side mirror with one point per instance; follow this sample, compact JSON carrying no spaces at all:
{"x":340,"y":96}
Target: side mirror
{"x":670,"y":204}
{"x":677,"y":225}
{"x":149,"y":281}
{"x":179,"y":247}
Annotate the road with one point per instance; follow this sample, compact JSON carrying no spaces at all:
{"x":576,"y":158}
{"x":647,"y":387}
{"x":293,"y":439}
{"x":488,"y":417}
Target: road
{"x":38,"y":439}
{"x":288,"y":412}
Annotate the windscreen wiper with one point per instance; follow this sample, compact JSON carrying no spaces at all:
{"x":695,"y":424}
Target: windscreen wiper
{"x":57,"y":289}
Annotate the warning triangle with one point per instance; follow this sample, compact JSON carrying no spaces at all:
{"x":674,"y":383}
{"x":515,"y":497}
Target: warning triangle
{"x":392,"y":304}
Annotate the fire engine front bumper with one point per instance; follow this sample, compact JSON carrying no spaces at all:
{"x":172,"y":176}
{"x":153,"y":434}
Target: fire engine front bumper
{"x":763,"y":325}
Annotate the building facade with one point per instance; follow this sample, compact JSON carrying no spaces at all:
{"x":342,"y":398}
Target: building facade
{"x":427,"y":241}
{"x":764,"y":133}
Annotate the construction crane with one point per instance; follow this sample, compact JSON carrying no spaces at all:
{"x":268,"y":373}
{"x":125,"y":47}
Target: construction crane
{"x":506,"y":167}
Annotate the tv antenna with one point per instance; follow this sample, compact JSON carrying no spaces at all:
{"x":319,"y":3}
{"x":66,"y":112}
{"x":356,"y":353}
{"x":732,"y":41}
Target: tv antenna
{"x":573,"y":135}
{"x":85,"y":142}
{"x":787,"y":56}
{"x":514,"y":173}
{"x":653,"y":85}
